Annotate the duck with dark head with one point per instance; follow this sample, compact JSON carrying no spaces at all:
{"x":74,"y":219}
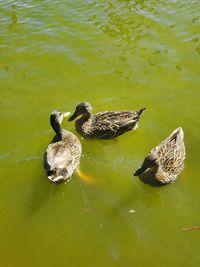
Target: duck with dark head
{"x":106,"y":124}
{"x":63,"y":154}
{"x":165,"y":162}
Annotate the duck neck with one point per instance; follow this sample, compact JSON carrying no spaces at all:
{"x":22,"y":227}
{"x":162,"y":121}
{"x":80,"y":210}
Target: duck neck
{"x":57,"y":128}
{"x":152,"y":172}
{"x":154,"y":169}
{"x":85,"y":117}
{"x":82,"y":122}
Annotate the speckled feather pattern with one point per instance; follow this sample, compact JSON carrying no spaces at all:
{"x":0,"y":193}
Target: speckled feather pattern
{"x":108,"y":124}
{"x":171,"y":156}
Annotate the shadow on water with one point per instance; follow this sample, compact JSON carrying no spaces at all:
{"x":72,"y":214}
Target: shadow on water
{"x":148,"y":197}
{"x":108,"y":142}
{"x":42,"y":191}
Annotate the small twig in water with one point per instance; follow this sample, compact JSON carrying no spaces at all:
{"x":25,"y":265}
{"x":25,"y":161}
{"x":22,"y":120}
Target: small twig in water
{"x":191,"y":228}
{"x":90,"y":209}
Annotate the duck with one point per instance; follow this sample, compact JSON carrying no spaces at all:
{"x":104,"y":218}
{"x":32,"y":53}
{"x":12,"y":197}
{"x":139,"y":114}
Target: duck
{"x":165,"y":162}
{"x":62,"y":155}
{"x":106,"y":124}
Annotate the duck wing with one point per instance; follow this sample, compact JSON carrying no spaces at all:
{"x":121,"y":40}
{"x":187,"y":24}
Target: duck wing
{"x":110,"y":124}
{"x":58,"y":162}
{"x":62,"y":157}
{"x":171,"y":153}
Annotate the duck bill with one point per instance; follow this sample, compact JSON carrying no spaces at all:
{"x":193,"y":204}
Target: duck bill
{"x":76,"y":114}
{"x":66,"y":114}
{"x":140,"y":171}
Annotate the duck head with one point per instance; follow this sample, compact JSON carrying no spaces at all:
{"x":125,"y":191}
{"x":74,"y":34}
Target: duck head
{"x":84,"y":108}
{"x":149,"y":162}
{"x":56,"y":119}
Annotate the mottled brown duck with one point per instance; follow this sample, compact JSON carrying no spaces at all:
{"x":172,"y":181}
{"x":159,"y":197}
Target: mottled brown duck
{"x":63,"y":153}
{"x":104,"y":125}
{"x":165,"y":162}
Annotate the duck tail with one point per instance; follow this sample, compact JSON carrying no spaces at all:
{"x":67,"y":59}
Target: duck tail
{"x":177,"y":135}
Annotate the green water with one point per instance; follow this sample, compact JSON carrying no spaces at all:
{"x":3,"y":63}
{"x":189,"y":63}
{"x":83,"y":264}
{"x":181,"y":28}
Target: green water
{"x":116,"y":55}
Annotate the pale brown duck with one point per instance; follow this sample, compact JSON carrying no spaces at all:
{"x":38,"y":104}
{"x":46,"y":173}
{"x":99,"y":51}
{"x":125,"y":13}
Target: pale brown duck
{"x":63,"y":153}
{"x":165,"y":162}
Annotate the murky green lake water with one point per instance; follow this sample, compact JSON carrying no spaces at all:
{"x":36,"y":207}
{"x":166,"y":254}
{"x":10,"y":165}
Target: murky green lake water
{"x":116,"y":55}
